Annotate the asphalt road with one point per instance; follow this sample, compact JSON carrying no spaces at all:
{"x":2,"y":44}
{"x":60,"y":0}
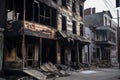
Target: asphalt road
{"x":94,"y":74}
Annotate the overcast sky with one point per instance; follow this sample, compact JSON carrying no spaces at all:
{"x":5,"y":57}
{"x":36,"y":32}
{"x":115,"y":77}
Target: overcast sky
{"x":101,"y":5}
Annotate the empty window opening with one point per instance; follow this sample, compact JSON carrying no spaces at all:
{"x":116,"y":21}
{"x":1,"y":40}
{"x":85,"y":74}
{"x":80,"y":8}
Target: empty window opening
{"x":15,"y":9}
{"x":74,"y":6}
{"x":81,"y":30}
{"x":64,"y":25}
{"x":81,"y":10}
{"x":34,"y":11}
{"x":74,"y":27}
{"x":48,"y":15}
{"x":64,"y":3}
{"x":105,"y":21}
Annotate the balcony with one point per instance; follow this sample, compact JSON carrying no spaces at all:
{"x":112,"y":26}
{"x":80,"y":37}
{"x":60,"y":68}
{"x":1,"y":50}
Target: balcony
{"x":31,"y":29}
{"x":105,"y":35}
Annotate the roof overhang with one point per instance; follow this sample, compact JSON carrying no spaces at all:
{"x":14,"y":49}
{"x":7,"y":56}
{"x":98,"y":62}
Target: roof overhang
{"x":70,"y":36}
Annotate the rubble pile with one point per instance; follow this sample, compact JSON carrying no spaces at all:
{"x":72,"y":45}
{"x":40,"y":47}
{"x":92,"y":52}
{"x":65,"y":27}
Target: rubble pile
{"x":82,"y":66}
{"x":51,"y":70}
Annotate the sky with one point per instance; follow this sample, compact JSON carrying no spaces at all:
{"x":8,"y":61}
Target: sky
{"x":101,"y":5}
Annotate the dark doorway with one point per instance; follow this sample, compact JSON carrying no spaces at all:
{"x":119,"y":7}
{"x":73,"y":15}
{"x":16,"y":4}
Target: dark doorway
{"x":62,"y":55}
{"x":80,"y":54}
{"x":30,"y":54}
{"x":73,"y":56}
{"x":48,"y":51}
{"x":98,"y":52}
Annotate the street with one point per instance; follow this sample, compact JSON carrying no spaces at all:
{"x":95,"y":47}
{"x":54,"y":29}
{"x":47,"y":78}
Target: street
{"x":96,"y":74}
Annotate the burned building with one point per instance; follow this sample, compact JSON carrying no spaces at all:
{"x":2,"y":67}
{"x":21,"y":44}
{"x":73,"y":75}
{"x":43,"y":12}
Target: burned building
{"x":40,"y":31}
{"x":103,"y":31}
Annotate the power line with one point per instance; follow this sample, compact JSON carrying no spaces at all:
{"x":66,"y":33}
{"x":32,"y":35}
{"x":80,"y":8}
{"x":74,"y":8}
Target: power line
{"x":111,"y":6}
{"x":108,"y":5}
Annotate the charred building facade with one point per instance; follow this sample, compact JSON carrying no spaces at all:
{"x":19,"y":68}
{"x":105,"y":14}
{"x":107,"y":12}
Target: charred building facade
{"x":40,"y":31}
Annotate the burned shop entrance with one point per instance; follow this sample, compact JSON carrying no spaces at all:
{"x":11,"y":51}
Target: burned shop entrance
{"x":48,"y":51}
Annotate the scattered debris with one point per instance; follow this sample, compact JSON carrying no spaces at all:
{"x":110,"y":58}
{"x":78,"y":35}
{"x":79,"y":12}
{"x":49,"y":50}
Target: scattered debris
{"x":82,"y":66}
{"x":102,"y":64}
{"x":52,"y":71}
{"x":35,"y":73}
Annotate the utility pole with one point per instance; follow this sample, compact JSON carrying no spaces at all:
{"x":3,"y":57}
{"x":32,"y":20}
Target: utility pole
{"x":118,"y":38}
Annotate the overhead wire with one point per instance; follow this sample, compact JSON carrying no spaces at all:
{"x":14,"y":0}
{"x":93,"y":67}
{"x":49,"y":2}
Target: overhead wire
{"x":110,"y":7}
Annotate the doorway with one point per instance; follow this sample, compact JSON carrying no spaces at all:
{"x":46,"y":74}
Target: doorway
{"x":62,"y":55}
{"x":30,"y":55}
{"x":80,"y":54}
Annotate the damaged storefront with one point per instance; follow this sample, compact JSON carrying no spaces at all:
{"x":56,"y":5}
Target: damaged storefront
{"x":40,"y":32}
{"x":35,"y":45}
{"x":25,"y":32}
{"x":72,"y":48}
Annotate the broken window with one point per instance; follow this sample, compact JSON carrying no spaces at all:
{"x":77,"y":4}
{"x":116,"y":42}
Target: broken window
{"x":48,"y":15}
{"x":73,"y":6}
{"x":81,"y":10}
{"x":64,"y":25}
{"x":81,"y":29}
{"x":64,"y":3}
{"x":34,"y":11}
{"x":14,"y":10}
{"x":74,"y":27}
{"x":105,"y":21}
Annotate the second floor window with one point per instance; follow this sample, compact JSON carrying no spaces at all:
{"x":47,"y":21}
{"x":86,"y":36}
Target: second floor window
{"x":81,"y":10}
{"x":74,"y":26}
{"x":64,"y":3}
{"x":45,"y":15}
{"x":105,"y":21}
{"x":74,"y":6}
{"x":81,"y":30}
{"x":64,"y":25}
